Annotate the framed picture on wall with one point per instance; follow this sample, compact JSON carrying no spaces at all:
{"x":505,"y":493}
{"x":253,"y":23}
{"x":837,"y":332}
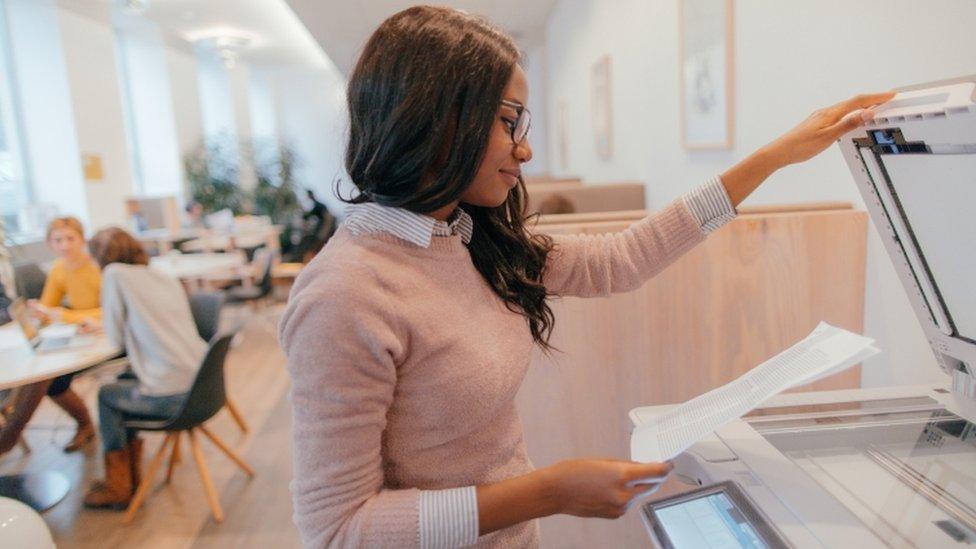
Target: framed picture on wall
{"x":562,"y":120}
{"x":705,"y":62}
{"x":602,"y":109}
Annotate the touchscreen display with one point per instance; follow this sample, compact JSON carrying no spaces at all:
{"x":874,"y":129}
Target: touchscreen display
{"x":712,"y":521}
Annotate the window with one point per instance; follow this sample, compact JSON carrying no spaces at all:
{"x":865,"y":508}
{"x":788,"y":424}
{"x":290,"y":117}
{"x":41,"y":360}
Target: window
{"x":15,"y":191}
{"x":148,"y":111}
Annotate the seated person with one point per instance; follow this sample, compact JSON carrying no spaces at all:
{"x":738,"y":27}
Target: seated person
{"x":28,"y":399}
{"x":76,"y":280}
{"x":194,"y":216}
{"x":148,"y":313}
{"x":136,"y":219}
{"x":320,"y":226}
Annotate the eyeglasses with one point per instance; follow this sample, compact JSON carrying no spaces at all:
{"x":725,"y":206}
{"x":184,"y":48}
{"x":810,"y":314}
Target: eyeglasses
{"x":523,"y":121}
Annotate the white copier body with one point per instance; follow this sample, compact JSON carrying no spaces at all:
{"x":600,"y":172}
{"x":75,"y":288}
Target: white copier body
{"x":890,"y":467}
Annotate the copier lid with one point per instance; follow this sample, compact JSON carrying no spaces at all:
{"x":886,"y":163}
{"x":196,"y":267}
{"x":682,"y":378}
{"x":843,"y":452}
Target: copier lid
{"x":915,"y":166}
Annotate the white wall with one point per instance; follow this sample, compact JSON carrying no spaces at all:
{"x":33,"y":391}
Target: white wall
{"x":240,"y":89}
{"x":534,"y":64}
{"x":153,"y":120}
{"x":41,"y":84}
{"x":310,"y":109}
{"x":216,"y":102}
{"x":790,"y":58}
{"x":89,"y":50}
{"x":182,"y":66}
{"x":261,"y":108}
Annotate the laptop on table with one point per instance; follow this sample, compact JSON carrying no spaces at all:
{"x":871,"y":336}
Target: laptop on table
{"x":57,"y":337}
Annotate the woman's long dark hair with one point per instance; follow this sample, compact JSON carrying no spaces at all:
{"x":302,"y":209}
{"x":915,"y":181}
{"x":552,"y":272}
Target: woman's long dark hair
{"x":422,"y":102}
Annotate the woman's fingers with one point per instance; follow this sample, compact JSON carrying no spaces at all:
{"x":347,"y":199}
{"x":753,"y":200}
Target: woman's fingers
{"x":649,"y":472}
{"x":860,"y":102}
{"x":850,"y":121}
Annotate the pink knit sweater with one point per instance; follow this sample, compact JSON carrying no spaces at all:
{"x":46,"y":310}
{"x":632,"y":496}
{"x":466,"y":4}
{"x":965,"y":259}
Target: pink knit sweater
{"x":405,"y":366}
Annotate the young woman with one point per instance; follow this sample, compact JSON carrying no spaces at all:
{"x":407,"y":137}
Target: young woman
{"x":409,"y":334}
{"x":74,"y":278}
{"x":148,"y":313}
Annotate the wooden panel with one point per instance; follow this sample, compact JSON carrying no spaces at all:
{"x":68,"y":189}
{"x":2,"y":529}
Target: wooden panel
{"x":635,"y":215}
{"x":798,"y":207}
{"x":578,"y":218}
{"x":590,"y":198}
{"x":541,"y":179}
{"x":753,"y":288}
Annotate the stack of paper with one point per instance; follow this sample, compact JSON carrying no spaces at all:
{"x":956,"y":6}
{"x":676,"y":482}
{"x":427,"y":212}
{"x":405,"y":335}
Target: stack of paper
{"x":827,"y":350}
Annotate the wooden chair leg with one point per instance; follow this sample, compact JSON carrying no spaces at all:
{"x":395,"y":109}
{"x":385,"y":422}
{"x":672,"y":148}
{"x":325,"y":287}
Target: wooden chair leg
{"x":236,"y":414}
{"x":205,"y":477}
{"x":174,"y":457}
{"x":230,"y":453}
{"x":147,"y":479}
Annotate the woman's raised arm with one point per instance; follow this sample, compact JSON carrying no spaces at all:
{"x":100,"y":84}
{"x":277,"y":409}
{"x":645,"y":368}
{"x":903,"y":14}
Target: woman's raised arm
{"x":599,"y":265}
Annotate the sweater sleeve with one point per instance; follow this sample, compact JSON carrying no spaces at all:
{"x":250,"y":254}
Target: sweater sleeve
{"x":53,"y":293}
{"x":75,"y":316}
{"x":600,"y":265}
{"x":341,"y":358}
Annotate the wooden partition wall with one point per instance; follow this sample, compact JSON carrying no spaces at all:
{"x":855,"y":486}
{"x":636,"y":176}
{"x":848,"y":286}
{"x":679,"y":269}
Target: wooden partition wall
{"x":750,"y":290}
{"x":589,"y":198}
{"x":540,"y":179}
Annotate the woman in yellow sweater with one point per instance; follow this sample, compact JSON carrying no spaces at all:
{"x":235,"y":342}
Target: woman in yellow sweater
{"x":71,"y":295}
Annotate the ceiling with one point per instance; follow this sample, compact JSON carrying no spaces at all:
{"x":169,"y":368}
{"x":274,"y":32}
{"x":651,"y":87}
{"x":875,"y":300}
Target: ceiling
{"x":277,"y":37}
{"x":342,"y":27}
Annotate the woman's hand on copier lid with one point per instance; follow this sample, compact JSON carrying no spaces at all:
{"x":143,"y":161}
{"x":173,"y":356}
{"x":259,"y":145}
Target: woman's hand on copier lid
{"x":803,"y":142}
{"x":825,"y":126}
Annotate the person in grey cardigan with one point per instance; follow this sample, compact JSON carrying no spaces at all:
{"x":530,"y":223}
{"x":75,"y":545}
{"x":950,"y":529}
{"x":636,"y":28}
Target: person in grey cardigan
{"x":148,"y":313}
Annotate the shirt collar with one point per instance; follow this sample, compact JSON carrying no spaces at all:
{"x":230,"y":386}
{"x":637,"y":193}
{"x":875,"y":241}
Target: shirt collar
{"x":415,"y":228}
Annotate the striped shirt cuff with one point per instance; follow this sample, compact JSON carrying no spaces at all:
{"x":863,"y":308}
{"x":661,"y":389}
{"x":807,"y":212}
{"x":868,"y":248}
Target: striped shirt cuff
{"x":710,"y":204}
{"x":448,"y":518}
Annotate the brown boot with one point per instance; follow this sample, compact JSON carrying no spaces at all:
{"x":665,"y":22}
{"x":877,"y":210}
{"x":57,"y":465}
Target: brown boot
{"x":116,"y":490}
{"x":135,"y":460}
{"x":70,"y":402}
{"x":84,"y":435}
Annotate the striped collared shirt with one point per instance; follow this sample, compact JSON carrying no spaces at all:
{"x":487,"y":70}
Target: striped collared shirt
{"x":709,"y":204}
{"x":415,"y":228}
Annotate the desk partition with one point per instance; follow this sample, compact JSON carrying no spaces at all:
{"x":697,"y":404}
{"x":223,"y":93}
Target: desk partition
{"x":753,"y":288}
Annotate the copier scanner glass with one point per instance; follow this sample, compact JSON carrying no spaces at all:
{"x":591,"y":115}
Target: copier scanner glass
{"x":907,"y":472}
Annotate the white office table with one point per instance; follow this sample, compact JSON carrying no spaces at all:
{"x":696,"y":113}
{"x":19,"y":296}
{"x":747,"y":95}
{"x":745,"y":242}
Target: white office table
{"x":245,"y":238}
{"x":20,"y":365}
{"x":195,"y":268}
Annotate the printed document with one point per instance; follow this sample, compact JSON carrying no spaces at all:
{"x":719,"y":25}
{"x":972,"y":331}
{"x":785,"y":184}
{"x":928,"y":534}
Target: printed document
{"x":827,"y":350}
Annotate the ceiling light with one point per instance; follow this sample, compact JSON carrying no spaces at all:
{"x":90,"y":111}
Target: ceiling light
{"x":228,"y":47}
{"x":134,"y":7}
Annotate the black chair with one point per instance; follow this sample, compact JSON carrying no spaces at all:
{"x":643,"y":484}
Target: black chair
{"x":29,"y":280}
{"x":206,"y":398}
{"x":254,"y":294}
{"x":205,"y":307}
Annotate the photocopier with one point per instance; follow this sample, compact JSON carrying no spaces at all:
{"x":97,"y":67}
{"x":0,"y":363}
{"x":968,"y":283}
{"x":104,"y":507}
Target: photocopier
{"x":864,"y":468}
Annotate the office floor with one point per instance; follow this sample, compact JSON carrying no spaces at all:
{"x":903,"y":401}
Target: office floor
{"x":257,"y":511}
